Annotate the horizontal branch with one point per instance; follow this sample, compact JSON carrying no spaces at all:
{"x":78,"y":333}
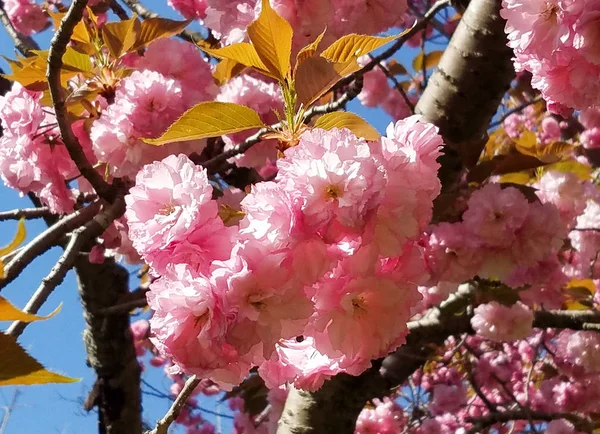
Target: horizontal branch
{"x":26,"y":213}
{"x":480,"y":423}
{"x":46,"y":240}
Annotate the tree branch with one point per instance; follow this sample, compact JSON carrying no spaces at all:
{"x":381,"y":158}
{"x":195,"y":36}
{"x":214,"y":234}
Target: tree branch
{"x":480,"y":423}
{"x":22,"y":43}
{"x":26,"y":213}
{"x":45,"y":240}
{"x":108,"y":340}
{"x":58,"y":47}
{"x":162,"y":426}
{"x":79,"y":238}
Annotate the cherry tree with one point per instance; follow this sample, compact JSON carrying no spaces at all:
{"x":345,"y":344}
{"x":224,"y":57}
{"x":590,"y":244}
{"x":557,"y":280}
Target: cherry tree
{"x":319,"y":275}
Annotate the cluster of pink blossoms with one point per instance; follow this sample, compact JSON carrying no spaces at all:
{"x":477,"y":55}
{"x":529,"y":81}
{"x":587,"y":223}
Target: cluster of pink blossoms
{"x":319,"y":277}
{"x":557,"y":41}
{"x":500,"y":232}
{"x":33,"y":157}
{"x":147,"y":102}
{"x":26,"y":16}
{"x":228,"y":19}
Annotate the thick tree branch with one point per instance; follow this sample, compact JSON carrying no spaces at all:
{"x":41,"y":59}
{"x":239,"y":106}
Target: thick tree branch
{"x":58,"y":47}
{"x":22,"y":43}
{"x":466,"y":89}
{"x":108,"y":341}
{"x":162,"y":426}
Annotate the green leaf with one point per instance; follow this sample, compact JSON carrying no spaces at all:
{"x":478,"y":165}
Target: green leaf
{"x":209,"y":119}
{"x":18,"y":367}
{"x":120,"y":36}
{"x":351,"y":47}
{"x":430,"y":59}
{"x":271,"y":36}
{"x":8,"y":312}
{"x":157,"y":28}
{"x":354,"y":123}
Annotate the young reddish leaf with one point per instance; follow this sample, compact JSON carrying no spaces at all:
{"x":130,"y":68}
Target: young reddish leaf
{"x":18,"y":367}
{"x":430,"y":59}
{"x":316,"y":75}
{"x":351,"y":47}
{"x":354,"y":123}
{"x":271,"y":36}
{"x":8,"y":312}
{"x":157,"y":28}
{"x":80,"y":32}
{"x":396,"y":68}
{"x":226,"y":69}
{"x":120,"y":36}
{"x":309,"y":50}
{"x":243,"y":53}
{"x":209,"y":119}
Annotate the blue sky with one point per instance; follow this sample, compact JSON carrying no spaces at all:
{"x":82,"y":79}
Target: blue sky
{"x":57,"y":343}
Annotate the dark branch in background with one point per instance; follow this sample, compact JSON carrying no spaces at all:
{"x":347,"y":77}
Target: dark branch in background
{"x":397,"y":85}
{"x":419,"y":25}
{"x":50,"y":237}
{"x":186,"y":35}
{"x":517,"y":109}
{"x":79,"y":238}
{"x":162,"y":426}
{"x":483,"y":422}
{"x":22,"y":43}
{"x":58,"y":47}
{"x":118,"y":10}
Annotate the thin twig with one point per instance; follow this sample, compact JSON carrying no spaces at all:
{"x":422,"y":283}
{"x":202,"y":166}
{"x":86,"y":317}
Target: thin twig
{"x":45,"y":240}
{"x":26,"y":213}
{"x":162,"y":426}
{"x":397,"y":85}
{"x":80,"y":237}
{"x":58,"y":47}
{"x":419,"y":25}
{"x":22,"y":43}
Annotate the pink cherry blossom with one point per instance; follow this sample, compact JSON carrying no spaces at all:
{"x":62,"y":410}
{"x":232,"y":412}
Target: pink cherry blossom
{"x":26,"y":16}
{"x":497,"y":322}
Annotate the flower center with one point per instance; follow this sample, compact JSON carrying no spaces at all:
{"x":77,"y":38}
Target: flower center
{"x":550,"y":12}
{"x":333,"y":192}
{"x":166,"y":209}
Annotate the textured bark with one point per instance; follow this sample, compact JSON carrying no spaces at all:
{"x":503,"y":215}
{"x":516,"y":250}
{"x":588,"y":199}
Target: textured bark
{"x":461,"y":98}
{"x":110,"y":349}
{"x":465,"y":91}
